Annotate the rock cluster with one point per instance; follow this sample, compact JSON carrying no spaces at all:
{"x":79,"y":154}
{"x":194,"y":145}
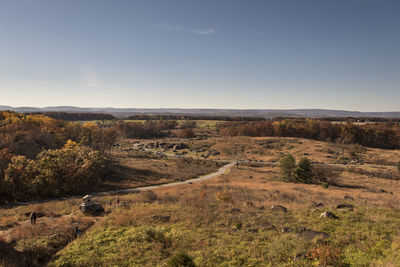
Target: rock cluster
{"x":329,"y":215}
{"x":278,"y":208}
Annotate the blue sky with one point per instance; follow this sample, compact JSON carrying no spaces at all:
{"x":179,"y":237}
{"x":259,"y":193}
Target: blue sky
{"x":336,"y":54}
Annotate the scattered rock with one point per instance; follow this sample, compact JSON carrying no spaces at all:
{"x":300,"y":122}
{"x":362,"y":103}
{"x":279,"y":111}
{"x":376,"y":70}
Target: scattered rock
{"x":213,"y":153}
{"x":150,"y":145}
{"x":316,"y":205}
{"x":328,"y":214}
{"x":311,"y":234}
{"x":344,"y":206}
{"x":93,"y":210}
{"x":287,"y":230}
{"x":301,"y":255}
{"x":278,"y":208}
{"x":301,"y":229}
{"x":180,"y":146}
{"x":267,"y":226}
{"x":248,"y":204}
{"x":89,"y":207}
{"x":235,"y":210}
{"x":315,"y":210}
{"x":348,"y":197}
{"x":161,"y":218}
{"x":384,"y":191}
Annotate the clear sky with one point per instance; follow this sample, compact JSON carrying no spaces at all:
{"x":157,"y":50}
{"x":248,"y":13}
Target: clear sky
{"x":335,"y":54}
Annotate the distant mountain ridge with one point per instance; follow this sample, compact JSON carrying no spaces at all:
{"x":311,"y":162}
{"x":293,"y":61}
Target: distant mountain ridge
{"x":264,"y":113}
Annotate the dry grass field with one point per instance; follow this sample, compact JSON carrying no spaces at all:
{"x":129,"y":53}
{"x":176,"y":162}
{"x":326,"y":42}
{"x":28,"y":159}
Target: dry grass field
{"x":138,"y":168}
{"x":227,"y":221}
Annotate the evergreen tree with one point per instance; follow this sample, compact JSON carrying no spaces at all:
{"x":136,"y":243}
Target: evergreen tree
{"x":288,"y":165}
{"x":303,"y":171}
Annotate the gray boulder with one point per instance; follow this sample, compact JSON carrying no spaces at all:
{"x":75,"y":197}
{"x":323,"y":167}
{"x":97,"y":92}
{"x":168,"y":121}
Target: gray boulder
{"x":316,"y":205}
{"x":180,"y":146}
{"x":348,"y":197}
{"x":311,"y":234}
{"x":329,"y":215}
{"x":93,"y":209}
{"x":287,"y":230}
{"x":278,"y":208}
{"x":235,"y":210}
{"x":315,"y":210}
{"x":344,"y":206}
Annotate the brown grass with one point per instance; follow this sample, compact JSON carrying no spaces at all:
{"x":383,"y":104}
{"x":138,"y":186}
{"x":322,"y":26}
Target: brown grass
{"x":46,"y":227}
{"x":238,"y":200}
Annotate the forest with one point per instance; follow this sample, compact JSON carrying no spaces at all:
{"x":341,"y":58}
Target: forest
{"x":75,"y":116}
{"x":378,"y":135}
{"x":147,"y":129}
{"x":43,"y":157}
{"x":192,"y":117}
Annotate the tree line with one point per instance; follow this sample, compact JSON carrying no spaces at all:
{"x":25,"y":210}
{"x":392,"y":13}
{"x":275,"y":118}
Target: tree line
{"x":379,"y":135}
{"x":192,"y":117}
{"x":343,"y":119}
{"x":147,"y":129}
{"x":75,"y":116}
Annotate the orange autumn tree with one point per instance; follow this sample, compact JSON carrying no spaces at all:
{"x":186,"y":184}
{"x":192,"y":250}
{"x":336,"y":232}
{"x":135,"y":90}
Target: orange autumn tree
{"x":72,"y":169}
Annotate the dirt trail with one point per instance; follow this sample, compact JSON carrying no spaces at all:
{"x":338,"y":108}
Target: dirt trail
{"x":129,"y":190}
{"x":150,"y":187}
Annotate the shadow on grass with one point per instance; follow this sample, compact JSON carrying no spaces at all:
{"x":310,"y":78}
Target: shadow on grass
{"x":125,"y":177}
{"x":350,"y":186}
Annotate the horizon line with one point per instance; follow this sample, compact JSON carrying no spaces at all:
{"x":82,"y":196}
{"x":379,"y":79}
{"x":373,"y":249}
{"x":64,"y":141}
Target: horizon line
{"x":201,"y":108}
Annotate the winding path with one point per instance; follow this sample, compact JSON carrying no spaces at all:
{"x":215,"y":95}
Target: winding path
{"x":130,"y":190}
{"x":150,"y":187}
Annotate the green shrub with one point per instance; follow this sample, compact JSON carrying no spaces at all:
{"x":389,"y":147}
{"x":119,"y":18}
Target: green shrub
{"x":326,"y":255}
{"x":180,"y":260}
{"x":149,"y":196}
{"x":224,"y":196}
